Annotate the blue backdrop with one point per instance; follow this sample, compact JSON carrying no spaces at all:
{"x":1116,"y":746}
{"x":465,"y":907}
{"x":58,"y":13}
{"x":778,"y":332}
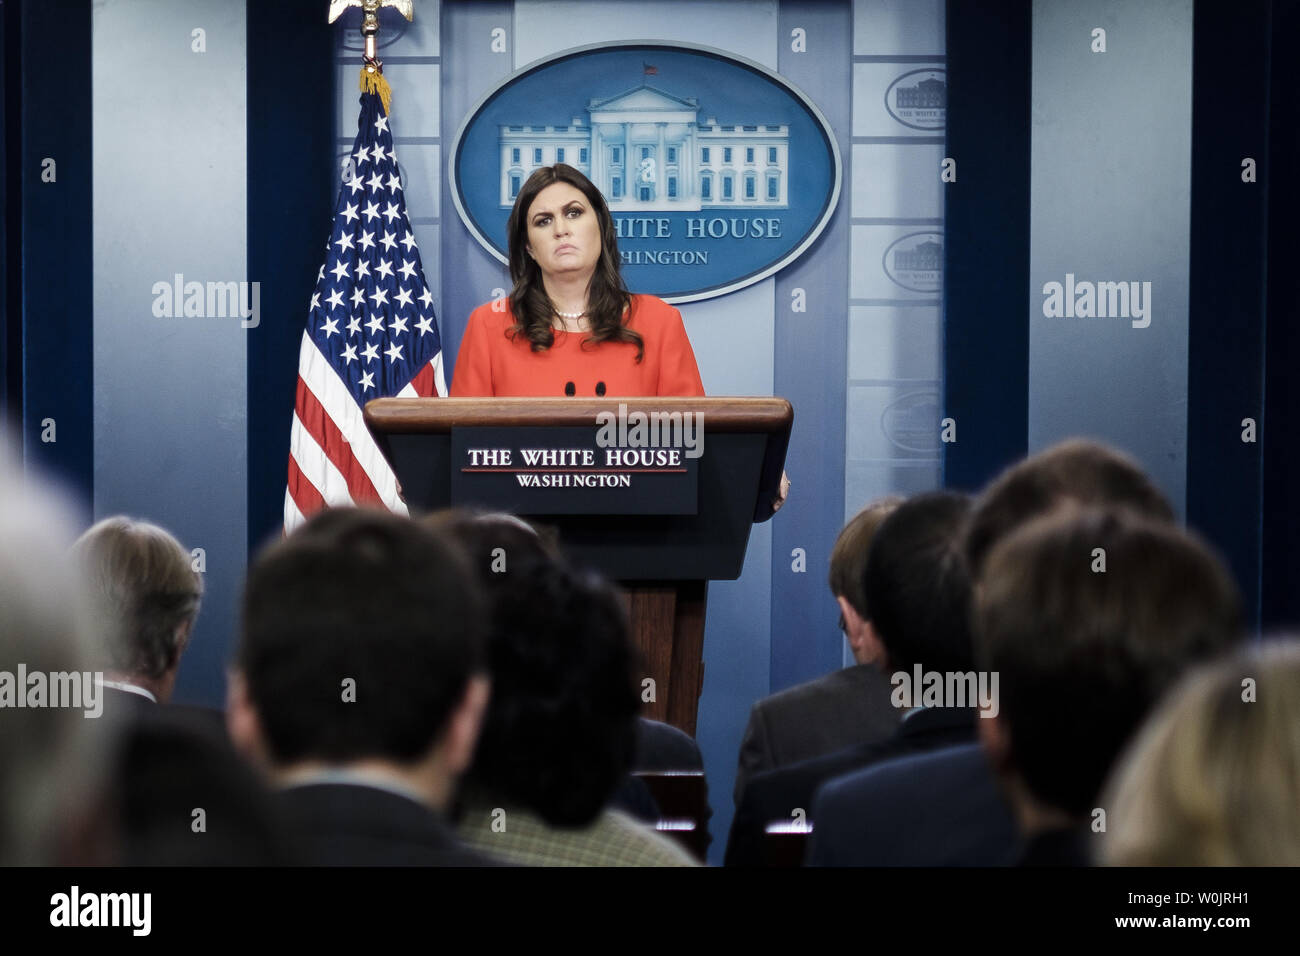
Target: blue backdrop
{"x":227,"y":171}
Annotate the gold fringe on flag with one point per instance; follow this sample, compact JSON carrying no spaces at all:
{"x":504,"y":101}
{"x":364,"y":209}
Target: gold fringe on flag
{"x":372,"y":81}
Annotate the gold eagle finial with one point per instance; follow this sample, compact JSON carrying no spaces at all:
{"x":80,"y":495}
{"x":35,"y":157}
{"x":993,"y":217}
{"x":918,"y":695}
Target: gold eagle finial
{"x":370,"y":24}
{"x":370,"y":7}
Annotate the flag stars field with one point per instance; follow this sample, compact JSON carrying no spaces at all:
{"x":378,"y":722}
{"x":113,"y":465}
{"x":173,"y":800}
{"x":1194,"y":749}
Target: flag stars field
{"x":333,"y":458}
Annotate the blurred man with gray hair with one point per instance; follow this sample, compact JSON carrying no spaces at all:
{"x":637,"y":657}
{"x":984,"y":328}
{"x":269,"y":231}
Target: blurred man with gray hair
{"x":145,"y":595}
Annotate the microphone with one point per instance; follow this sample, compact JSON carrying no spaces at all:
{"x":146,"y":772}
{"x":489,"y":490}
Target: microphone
{"x":569,"y":389}
{"x":600,"y":388}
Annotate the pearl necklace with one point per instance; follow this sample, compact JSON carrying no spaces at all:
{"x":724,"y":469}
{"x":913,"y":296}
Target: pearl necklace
{"x":571,"y":315}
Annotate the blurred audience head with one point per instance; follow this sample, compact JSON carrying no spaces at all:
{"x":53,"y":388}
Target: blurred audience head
{"x":53,"y":759}
{"x":848,"y":577}
{"x":1213,"y":777}
{"x":362,"y":647}
{"x":1088,"y":615}
{"x":917,"y":586}
{"x":145,"y":596}
{"x":1078,"y":470}
{"x":560,"y":731}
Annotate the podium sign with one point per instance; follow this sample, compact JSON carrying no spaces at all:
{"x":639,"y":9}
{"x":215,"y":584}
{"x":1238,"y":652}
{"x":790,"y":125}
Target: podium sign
{"x":661,"y":532}
{"x":568,"y":471}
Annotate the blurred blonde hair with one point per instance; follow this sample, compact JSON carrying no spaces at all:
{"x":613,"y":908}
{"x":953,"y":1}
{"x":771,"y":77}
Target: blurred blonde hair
{"x":1212,"y":779}
{"x":848,"y":570}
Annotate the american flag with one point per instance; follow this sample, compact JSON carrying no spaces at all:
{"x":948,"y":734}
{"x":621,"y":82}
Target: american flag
{"x":371,"y":332}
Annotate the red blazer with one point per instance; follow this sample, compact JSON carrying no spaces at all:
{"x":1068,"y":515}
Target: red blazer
{"x":490,"y":363}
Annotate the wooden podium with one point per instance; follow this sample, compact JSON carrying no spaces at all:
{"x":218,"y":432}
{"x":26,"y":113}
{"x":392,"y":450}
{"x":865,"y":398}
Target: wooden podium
{"x":663,"y":561}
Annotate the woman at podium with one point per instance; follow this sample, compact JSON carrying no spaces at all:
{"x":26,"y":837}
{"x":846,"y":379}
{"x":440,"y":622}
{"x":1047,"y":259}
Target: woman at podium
{"x":569,"y":325}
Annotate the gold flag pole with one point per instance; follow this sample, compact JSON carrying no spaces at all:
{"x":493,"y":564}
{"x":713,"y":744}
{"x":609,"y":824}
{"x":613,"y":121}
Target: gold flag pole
{"x":372,"y":70}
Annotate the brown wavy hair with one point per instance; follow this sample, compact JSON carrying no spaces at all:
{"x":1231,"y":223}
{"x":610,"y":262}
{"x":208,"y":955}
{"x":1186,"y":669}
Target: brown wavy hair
{"x":607,"y":297}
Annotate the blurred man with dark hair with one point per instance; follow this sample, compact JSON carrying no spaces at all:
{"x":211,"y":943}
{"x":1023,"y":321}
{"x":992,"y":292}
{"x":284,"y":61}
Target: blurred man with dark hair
{"x":845,"y":707}
{"x":359,"y":685}
{"x":1088,"y":616}
{"x":560,"y":732}
{"x":146,"y":598}
{"x":918,"y":591}
{"x":946,"y":808}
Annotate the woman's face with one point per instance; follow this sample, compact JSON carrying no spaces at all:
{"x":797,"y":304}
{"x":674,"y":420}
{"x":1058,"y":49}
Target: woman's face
{"x":563,"y":232}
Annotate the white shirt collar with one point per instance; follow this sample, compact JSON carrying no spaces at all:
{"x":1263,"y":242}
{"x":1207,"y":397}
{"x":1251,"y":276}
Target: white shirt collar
{"x":356,"y":778}
{"x":129,"y":688}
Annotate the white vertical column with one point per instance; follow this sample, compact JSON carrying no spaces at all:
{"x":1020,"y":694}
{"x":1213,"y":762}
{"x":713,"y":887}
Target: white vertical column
{"x":170,"y":198}
{"x":1112,"y":133}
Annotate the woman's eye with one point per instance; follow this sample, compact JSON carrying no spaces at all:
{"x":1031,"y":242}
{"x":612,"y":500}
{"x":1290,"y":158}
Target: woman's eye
{"x":575,"y":213}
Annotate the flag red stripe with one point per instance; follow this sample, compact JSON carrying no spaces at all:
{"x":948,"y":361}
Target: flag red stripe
{"x":303,"y":492}
{"x":425,"y":382}
{"x":337,"y":449}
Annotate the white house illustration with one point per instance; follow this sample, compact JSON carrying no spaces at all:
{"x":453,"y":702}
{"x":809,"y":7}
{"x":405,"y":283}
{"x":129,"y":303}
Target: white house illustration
{"x":646,"y":150}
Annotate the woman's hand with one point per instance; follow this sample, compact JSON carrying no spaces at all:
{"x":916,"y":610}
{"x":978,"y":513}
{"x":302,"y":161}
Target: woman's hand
{"x":779,"y":500}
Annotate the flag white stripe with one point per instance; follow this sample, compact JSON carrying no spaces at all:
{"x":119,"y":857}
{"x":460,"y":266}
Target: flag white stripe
{"x":439,"y":381}
{"x":292,"y":516}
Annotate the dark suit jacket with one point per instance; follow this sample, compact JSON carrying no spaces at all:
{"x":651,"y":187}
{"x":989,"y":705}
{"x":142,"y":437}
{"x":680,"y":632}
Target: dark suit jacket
{"x":344,"y":824}
{"x":170,"y":762}
{"x":125,"y":705}
{"x":841,"y":709}
{"x":931,"y":809}
{"x":776,"y":794}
